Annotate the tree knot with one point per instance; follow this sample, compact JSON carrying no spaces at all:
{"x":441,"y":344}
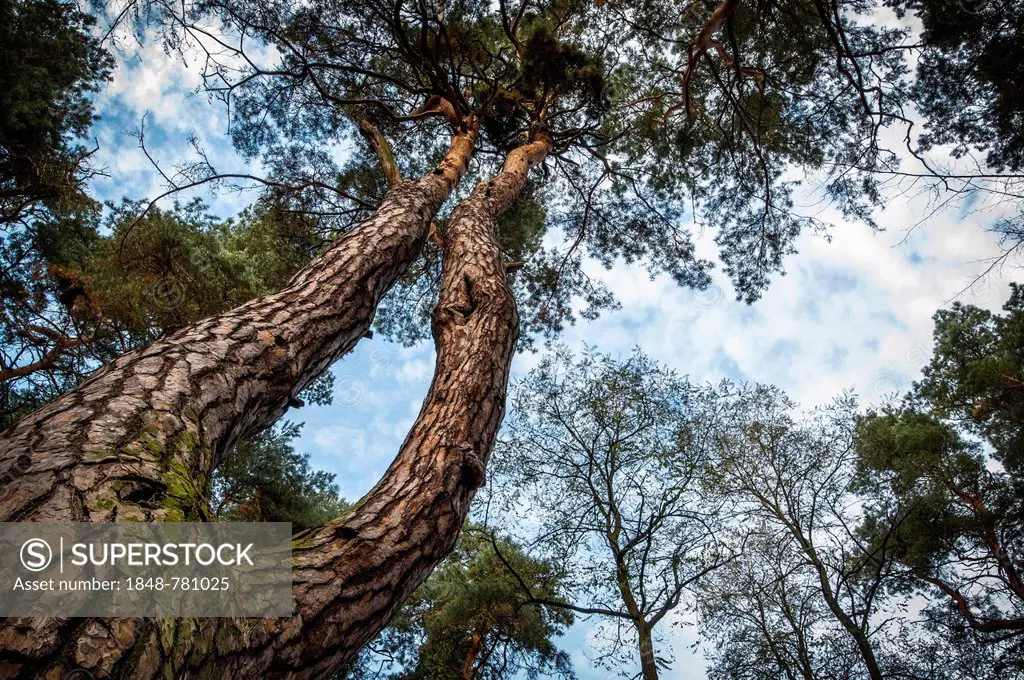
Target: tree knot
{"x":473,"y":473}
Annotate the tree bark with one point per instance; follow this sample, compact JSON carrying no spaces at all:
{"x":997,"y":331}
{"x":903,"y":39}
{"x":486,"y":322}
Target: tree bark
{"x":110,"y":449}
{"x":382,"y":150}
{"x":476,"y":643}
{"x":138,"y":440}
{"x":860,"y":637}
{"x":351,"y":575}
{"x":645,"y":640}
{"x":648,"y":668}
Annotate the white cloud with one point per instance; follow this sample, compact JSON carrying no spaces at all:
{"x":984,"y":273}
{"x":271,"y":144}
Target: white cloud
{"x":415,"y":370}
{"x":334,"y":437}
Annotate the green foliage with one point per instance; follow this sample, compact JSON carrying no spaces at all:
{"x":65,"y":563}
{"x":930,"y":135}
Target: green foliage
{"x":265,"y":480}
{"x":77,"y":295}
{"x":172,"y":268}
{"x":473,"y":610}
{"x":976,"y":376}
{"x":521,"y":228}
{"x":931,"y":453}
{"x":788,"y":86}
{"x":342,"y":196}
{"x":50,"y":64}
{"x":970,"y":77}
{"x":941,"y":474}
{"x":924,"y":464}
{"x":652,"y":135}
{"x":553,"y":68}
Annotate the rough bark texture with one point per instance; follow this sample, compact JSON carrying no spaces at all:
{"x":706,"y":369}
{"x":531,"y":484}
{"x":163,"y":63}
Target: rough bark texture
{"x":137,"y":440}
{"x":352,"y":574}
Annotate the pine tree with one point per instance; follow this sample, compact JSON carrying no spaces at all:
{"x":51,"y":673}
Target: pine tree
{"x":630,"y":129}
{"x":472,"y":620}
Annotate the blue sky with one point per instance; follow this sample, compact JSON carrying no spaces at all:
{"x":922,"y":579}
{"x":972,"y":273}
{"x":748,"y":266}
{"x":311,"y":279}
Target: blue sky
{"x":853,"y":313}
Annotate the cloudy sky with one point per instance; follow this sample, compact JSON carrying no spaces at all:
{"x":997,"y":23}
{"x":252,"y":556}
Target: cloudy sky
{"x":850,"y":314}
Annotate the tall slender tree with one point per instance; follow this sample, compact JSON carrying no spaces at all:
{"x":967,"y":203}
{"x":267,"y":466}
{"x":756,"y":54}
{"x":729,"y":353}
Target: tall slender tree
{"x":763,"y":617}
{"x":791,"y":484}
{"x":608,"y":456}
{"x":851,"y":519}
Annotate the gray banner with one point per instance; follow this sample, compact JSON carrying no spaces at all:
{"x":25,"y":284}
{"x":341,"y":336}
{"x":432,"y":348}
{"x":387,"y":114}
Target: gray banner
{"x":151,"y":569}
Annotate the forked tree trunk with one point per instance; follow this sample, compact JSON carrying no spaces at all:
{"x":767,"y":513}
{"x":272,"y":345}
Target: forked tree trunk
{"x":645,"y":640}
{"x":111,"y":448}
{"x":138,"y":440}
{"x":860,"y":638}
{"x":352,"y":574}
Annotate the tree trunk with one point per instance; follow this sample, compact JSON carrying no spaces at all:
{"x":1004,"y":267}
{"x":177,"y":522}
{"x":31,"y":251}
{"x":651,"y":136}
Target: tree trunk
{"x":860,"y":638}
{"x":138,"y":440}
{"x":351,"y":575}
{"x":645,"y":640}
{"x":113,"y":447}
{"x":648,"y":668}
{"x":476,"y":643}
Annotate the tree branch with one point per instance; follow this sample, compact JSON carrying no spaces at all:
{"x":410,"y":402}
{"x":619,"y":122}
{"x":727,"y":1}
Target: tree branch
{"x":382,"y":149}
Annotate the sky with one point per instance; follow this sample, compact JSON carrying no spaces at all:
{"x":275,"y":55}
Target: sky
{"x":852,"y":313}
